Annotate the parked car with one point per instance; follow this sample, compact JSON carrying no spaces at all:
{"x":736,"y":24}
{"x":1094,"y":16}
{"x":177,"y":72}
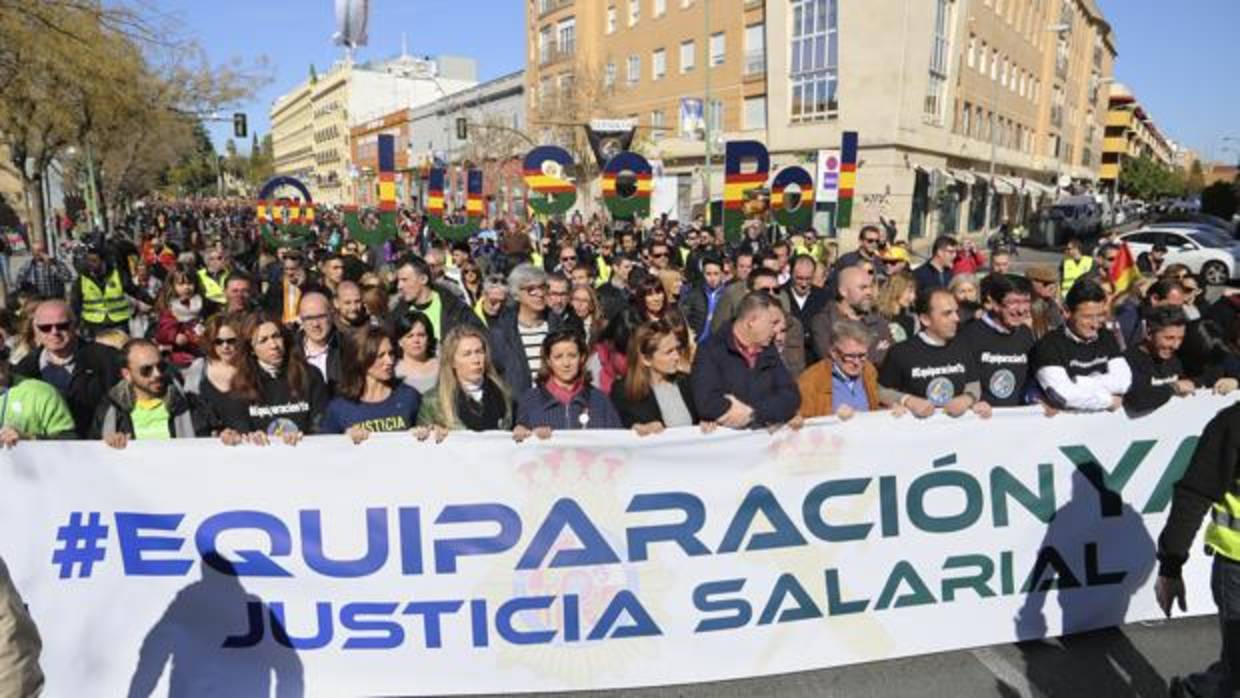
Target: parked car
{"x":1202,"y":219}
{"x":1210,"y":255}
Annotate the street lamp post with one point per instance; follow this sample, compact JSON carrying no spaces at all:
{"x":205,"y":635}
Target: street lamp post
{"x":706,"y":108}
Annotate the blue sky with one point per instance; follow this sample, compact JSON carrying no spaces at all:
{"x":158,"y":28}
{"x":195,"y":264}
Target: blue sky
{"x":1179,"y":58}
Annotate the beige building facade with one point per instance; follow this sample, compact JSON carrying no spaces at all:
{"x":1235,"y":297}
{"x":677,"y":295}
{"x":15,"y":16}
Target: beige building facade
{"x":311,"y":123}
{"x":1131,"y":133}
{"x":933,"y":88}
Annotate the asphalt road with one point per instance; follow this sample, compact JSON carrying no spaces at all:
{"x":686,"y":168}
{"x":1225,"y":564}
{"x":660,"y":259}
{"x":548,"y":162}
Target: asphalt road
{"x":1135,"y":660}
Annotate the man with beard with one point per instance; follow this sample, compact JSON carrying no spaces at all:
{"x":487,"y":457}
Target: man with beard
{"x":146,"y":405}
{"x":854,"y":301}
{"x":351,"y":312}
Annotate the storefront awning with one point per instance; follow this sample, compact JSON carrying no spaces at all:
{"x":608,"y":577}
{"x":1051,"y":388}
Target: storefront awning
{"x":1005,"y":186}
{"x":962,"y":176}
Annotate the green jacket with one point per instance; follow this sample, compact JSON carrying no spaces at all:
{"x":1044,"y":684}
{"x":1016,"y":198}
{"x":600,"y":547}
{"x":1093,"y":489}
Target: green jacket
{"x":36,"y":410}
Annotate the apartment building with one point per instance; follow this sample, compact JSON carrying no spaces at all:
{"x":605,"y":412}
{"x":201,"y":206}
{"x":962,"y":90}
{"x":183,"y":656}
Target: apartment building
{"x":936,"y":89}
{"x":311,"y":123}
{"x":1131,"y":133}
{"x":679,"y":69}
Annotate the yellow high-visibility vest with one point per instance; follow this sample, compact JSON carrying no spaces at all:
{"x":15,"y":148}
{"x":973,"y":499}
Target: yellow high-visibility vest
{"x":1223,"y":531}
{"x":212,"y":289}
{"x":104,"y":306}
{"x":1073,"y":270}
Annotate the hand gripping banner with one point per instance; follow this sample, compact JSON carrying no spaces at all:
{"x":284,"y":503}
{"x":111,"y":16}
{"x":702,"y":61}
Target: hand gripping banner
{"x":591,"y":560}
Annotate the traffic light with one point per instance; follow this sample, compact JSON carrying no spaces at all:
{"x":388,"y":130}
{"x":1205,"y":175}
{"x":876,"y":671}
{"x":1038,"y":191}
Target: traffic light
{"x":462,"y":129}
{"x":239,"y":129}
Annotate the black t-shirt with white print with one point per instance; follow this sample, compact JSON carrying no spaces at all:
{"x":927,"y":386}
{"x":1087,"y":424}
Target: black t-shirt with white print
{"x":924,"y":370}
{"x":1076,"y":357}
{"x":1001,"y":359}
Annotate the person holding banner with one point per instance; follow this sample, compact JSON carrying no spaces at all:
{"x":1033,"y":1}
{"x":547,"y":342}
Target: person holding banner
{"x":469,"y":395}
{"x":274,"y":392}
{"x":1079,"y":366}
{"x":147,"y":406}
{"x":1208,"y":484}
{"x":738,"y":377}
{"x":654,"y":394}
{"x":370,"y":399}
{"x":563,"y":397}
{"x":845,"y":382}
{"x":933,"y":369}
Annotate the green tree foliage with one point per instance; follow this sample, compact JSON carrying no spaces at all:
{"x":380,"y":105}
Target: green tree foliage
{"x":88,"y":82}
{"x":1220,"y":199}
{"x":1149,"y":180}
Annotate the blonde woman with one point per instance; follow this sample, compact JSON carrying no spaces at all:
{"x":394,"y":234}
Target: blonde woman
{"x":895,"y":303}
{"x":470,"y":395}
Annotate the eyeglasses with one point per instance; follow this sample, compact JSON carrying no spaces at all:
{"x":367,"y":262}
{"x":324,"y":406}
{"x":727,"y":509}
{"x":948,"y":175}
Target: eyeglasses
{"x":535,"y":289}
{"x":569,"y":259}
{"x":149,"y":370}
{"x":314,"y":318}
{"x":659,"y":255}
{"x":57,"y":326}
{"x":856,"y":357}
{"x":870,"y":241}
{"x":225,"y":341}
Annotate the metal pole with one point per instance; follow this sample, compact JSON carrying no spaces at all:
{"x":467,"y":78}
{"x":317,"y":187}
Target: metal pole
{"x":706,"y":107}
{"x":992,"y":190}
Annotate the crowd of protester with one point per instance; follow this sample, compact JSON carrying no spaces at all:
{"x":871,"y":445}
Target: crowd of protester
{"x":189,"y":320}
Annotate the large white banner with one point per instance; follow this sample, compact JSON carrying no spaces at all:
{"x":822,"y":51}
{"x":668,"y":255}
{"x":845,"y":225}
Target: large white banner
{"x":592,"y":560}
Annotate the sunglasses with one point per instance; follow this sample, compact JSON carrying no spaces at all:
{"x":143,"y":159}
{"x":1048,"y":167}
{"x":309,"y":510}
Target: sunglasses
{"x":225,"y":341}
{"x":149,"y":370}
{"x":57,"y":326}
{"x":871,"y":241}
{"x":568,"y":259}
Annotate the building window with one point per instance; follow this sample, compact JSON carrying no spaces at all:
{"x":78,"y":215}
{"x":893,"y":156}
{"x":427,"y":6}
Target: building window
{"x":815,"y":59}
{"x":972,"y":54}
{"x":658,"y":64}
{"x":609,"y":75}
{"x":611,"y":20}
{"x":718,"y":49}
{"x":940,"y":49}
{"x":714,"y":117}
{"x":981,"y":59}
{"x":635,"y":11}
{"x":544,"y":45}
{"x":566,"y":32}
{"x":1003,"y":74}
{"x":755,"y":49}
{"x":966,"y":120}
{"x":657,"y":124}
{"x":635,"y":69}
{"x":660,"y":8}
{"x":994,"y":65}
{"x":755,"y":112}
{"x":688,"y":55}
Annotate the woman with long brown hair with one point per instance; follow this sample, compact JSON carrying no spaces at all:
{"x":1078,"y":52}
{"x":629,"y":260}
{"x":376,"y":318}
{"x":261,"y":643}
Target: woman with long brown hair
{"x":211,"y":375}
{"x":369,"y":398}
{"x":274,"y":391}
{"x":584,"y":302}
{"x":655,"y":393}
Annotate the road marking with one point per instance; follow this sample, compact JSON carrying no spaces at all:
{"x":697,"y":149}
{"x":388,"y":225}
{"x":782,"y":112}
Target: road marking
{"x":1007,"y":672}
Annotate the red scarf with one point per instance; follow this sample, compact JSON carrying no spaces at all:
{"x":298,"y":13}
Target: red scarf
{"x":564,"y":395}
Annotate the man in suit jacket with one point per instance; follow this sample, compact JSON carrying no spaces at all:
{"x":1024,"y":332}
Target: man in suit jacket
{"x":804,"y":299}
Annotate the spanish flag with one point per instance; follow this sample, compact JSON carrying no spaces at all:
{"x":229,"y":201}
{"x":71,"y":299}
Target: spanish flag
{"x":1124,"y":272}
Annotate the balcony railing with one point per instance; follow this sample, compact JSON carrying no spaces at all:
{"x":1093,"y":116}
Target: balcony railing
{"x":552,"y":56}
{"x":755,"y":62}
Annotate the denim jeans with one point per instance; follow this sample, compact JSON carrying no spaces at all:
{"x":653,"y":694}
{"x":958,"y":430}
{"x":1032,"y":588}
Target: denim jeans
{"x":1222,"y":679}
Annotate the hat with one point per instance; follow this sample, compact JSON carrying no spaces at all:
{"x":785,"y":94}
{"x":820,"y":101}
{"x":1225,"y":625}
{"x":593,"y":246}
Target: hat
{"x":895,"y":253}
{"x":1042,"y":272}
